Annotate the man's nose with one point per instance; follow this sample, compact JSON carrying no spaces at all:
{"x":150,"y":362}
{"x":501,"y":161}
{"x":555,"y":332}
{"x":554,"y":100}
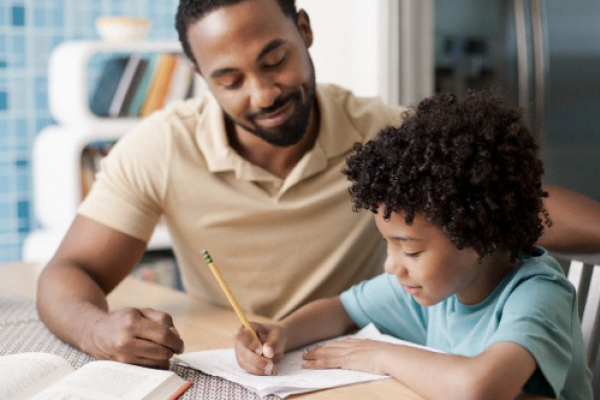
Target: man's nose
{"x":264,"y":92}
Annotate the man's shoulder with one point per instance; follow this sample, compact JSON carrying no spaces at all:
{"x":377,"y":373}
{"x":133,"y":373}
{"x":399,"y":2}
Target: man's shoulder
{"x":346,"y":97}
{"x":363,"y":111}
{"x":189,"y":109}
{"x":179,"y":117}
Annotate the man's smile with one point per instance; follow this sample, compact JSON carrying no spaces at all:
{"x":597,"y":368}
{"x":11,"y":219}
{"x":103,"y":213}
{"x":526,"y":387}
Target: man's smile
{"x":278,"y":116}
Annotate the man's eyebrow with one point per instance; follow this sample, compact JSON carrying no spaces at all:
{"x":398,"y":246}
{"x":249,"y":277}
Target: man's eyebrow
{"x":269,"y":47}
{"x":272,"y":45}
{"x":220,"y":72}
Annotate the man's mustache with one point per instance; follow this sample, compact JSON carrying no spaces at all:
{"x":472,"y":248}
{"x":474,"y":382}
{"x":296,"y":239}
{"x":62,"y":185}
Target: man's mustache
{"x":279,"y":102}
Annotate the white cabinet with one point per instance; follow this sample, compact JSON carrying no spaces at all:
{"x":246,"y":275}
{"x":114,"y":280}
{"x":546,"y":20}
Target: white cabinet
{"x":58,"y":148}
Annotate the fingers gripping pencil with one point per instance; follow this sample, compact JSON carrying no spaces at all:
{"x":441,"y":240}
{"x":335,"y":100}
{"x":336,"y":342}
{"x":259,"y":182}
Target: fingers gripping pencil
{"x":228,"y":293}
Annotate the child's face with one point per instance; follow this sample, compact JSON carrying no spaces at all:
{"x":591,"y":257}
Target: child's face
{"x":428,"y":265}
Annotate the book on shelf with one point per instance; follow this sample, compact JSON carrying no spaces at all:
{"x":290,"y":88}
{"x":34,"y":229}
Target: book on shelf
{"x":181,"y":81}
{"x":91,"y":158}
{"x":138,"y":85}
{"x":159,"y":266}
{"x":141,"y":91}
{"x":47,"y":376}
{"x":106,"y":86}
{"x":128,"y":85}
{"x":160,"y":84}
{"x":133,"y":88}
{"x":124,"y":84}
{"x":88,"y":171}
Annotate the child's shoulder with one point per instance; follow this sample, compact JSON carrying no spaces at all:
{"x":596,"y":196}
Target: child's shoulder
{"x":540,"y":263}
{"x":539,"y":271}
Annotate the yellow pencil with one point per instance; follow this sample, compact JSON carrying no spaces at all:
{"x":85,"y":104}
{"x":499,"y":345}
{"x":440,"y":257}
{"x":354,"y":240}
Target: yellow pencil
{"x":228,"y":293}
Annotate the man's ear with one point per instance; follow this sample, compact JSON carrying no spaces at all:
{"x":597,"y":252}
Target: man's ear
{"x":303,"y":23}
{"x":195,"y":68}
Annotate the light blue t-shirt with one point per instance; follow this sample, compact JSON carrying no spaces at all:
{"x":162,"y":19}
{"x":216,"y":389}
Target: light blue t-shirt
{"x":534,"y":306}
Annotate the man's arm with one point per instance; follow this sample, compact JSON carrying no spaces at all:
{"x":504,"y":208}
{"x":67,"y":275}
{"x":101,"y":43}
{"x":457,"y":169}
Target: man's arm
{"x":575,"y":222}
{"x":71,"y":298}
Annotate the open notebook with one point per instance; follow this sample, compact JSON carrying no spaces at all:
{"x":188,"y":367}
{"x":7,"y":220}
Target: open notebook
{"x":290,"y":378}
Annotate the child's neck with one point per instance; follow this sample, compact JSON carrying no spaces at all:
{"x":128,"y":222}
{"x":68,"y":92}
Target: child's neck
{"x":494,"y":269}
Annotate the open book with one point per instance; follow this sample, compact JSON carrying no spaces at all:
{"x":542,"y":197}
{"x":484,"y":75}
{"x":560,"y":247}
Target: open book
{"x":43,"y":376}
{"x":291,"y":378}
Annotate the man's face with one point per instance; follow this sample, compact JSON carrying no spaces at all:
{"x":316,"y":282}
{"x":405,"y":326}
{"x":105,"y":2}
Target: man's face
{"x":255,"y":61}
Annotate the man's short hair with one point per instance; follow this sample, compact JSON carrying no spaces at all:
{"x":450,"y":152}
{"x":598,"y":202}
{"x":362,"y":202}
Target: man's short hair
{"x":191,"y":11}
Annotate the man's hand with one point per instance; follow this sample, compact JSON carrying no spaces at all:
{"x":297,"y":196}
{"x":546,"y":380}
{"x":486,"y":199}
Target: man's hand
{"x":135,"y":336}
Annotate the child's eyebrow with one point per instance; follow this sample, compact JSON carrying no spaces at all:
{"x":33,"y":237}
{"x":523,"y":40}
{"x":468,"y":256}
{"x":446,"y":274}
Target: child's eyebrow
{"x":407,"y":238}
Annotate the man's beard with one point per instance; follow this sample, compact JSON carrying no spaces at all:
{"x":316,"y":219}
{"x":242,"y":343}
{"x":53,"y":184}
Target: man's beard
{"x":292,"y":130}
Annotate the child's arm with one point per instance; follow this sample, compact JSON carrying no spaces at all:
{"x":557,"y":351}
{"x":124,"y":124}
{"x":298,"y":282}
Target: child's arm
{"x":318,"y":320}
{"x":498,"y":373}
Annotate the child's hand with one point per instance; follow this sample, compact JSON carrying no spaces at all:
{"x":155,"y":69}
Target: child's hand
{"x":257,"y":359}
{"x":354,"y":354}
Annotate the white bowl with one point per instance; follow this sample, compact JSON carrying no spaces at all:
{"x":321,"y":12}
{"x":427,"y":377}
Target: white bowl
{"x":122,"y":29}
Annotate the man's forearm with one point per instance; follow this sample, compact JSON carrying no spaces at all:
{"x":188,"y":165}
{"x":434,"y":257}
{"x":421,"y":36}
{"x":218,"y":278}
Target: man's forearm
{"x":69,"y":302}
{"x":575,"y":222}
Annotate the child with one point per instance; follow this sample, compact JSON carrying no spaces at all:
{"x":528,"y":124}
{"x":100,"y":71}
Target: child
{"x":456,"y":193}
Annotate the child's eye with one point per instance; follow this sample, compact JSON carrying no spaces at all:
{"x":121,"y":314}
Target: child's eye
{"x":412,"y":255}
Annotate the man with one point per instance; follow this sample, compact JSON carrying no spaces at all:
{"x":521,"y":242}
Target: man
{"x":251,"y":173}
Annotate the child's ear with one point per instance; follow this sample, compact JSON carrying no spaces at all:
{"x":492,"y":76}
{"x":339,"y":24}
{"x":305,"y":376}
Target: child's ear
{"x":303,"y":24}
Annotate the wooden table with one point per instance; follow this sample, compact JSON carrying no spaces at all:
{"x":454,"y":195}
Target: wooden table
{"x":202,"y":326}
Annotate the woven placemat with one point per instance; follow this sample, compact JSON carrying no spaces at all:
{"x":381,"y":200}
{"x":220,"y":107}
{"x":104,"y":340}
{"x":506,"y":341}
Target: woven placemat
{"x":21,"y":331}
{"x":15,"y":309}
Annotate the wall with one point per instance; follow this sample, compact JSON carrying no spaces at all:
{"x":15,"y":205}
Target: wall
{"x":347,"y":47}
{"x":375,"y":48}
{"x":29,"y":30}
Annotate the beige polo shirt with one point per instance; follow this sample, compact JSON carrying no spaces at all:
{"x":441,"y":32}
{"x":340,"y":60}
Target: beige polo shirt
{"x":278,"y":243}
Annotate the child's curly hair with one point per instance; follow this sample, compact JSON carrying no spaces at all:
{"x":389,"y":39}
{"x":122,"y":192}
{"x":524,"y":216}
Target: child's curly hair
{"x":469,"y":167}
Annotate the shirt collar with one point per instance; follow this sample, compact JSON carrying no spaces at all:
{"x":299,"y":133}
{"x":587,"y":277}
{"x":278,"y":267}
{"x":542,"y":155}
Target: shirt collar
{"x":336,"y":137}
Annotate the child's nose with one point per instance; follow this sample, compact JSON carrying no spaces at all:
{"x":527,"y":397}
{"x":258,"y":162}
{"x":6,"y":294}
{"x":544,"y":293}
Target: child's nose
{"x":393,"y":267}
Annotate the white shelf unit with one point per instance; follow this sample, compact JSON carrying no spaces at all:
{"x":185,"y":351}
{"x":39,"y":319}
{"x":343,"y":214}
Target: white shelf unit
{"x":58,"y":148}
{"x":68,"y":89}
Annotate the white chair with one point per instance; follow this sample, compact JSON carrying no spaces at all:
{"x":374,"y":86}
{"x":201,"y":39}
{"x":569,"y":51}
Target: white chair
{"x":586,"y":279}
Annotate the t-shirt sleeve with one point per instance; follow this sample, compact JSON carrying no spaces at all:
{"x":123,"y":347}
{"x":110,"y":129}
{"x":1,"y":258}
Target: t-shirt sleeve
{"x":534,"y":317}
{"x":128,"y":189}
{"x":383,"y":302}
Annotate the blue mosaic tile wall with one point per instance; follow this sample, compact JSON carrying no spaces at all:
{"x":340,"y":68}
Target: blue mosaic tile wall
{"x":29,"y":30}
